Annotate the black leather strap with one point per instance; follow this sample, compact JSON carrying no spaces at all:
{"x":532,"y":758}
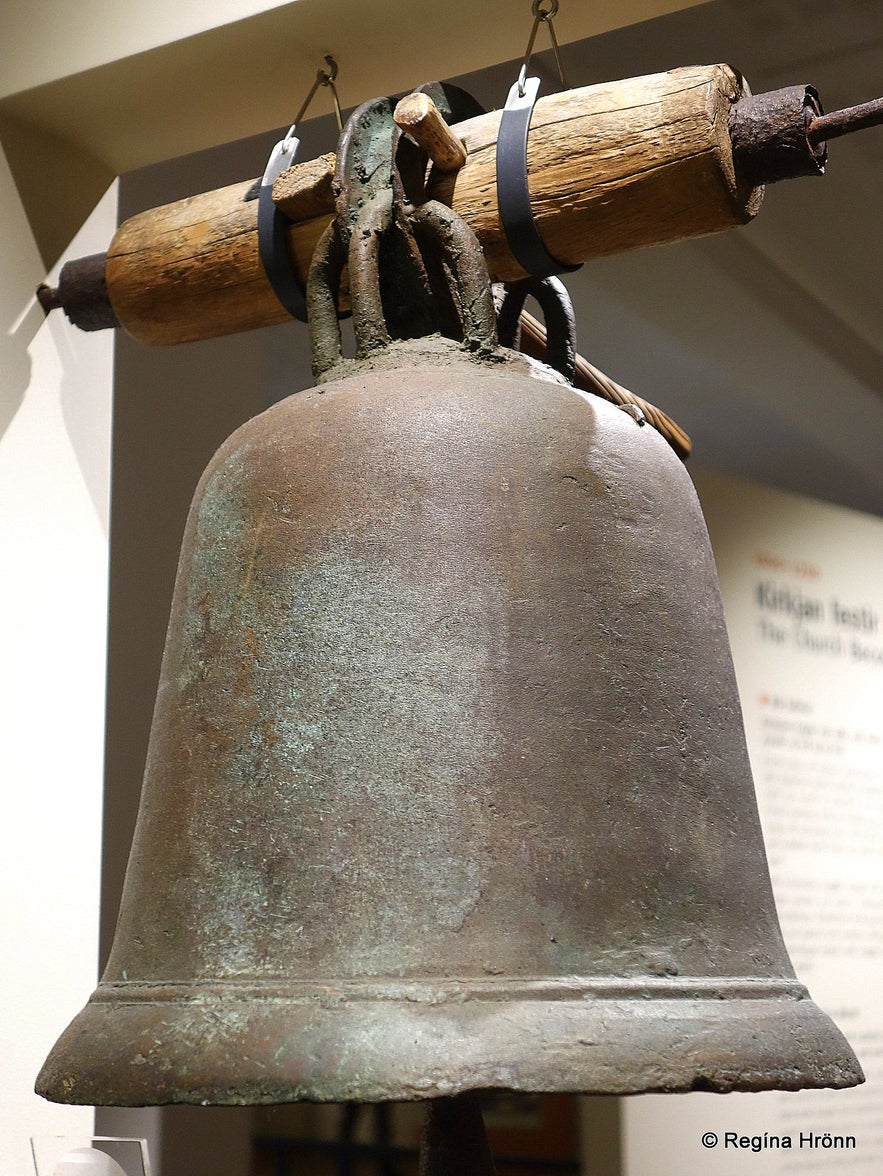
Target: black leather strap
{"x":513,"y":193}
{"x":273,"y":236}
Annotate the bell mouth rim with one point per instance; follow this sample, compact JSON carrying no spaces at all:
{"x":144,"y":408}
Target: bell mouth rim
{"x":433,"y":991}
{"x":246,"y":1052}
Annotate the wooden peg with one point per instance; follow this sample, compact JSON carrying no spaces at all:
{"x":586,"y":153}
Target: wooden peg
{"x":418,"y":116}
{"x":304,"y":190}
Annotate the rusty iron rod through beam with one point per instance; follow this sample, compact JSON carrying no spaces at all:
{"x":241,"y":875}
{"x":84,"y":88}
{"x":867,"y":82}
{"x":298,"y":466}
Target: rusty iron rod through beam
{"x":844,"y":122}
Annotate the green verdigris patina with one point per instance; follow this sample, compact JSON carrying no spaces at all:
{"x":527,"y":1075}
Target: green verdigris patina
{"x":447,"y":788}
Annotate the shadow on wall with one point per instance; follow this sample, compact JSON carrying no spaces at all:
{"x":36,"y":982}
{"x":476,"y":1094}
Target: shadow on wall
{"x":15,"y":362}
{"x":58,"y":376}
{"x":78,"y":182}
{"x":82,"y":404}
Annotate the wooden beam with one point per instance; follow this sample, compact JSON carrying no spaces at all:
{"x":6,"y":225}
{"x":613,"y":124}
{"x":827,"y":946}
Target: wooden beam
{"x":612,"y":167}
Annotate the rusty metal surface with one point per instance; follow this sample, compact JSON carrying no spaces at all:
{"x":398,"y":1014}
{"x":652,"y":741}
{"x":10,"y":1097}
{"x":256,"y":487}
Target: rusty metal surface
{"x":845,"y":122}
{"x":770,"y":135}
{"x":82,"y":293}
{"x":447,"y":788}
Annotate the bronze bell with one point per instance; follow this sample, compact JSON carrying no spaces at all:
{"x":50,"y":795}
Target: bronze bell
{"x":447,"y":788}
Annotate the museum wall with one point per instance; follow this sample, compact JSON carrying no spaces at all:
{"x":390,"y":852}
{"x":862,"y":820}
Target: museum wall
{"x":802,"y":587}
{"x":55,"y":403}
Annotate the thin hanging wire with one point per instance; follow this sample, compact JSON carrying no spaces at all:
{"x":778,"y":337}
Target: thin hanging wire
{"x":543,"y":13}
{"x":324,"y":77}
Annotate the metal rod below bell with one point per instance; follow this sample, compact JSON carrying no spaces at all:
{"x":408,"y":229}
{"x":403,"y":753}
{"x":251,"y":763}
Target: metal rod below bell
{"x":454,"y":1141}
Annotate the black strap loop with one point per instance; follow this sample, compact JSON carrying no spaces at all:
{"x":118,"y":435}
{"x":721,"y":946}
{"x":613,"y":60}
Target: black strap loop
{"x":273,"y":232}
{"x":513,"y":193}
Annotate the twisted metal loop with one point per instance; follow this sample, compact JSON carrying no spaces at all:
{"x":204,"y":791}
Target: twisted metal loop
{"x":439,"y":229}
{"x":557,"y":309}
